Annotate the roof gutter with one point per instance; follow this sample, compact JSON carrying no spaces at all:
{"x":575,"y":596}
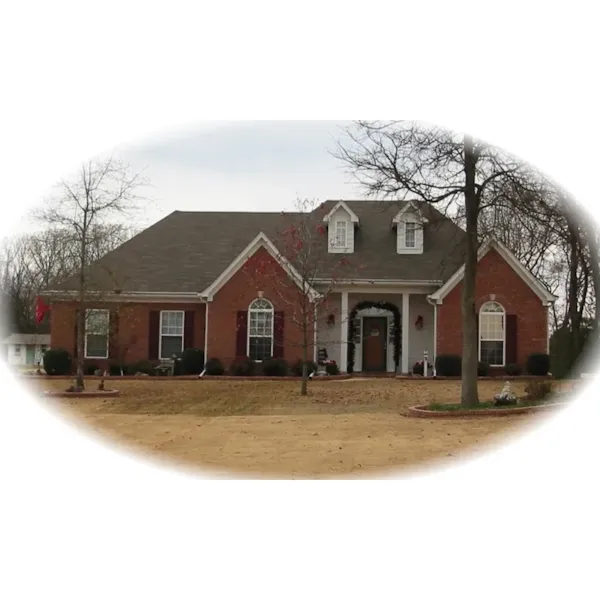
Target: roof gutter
{"x":379,"y":281}
{"x":115,"y":294}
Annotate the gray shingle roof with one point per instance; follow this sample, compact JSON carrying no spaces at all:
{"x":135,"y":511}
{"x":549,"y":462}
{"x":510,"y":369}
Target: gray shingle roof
{"x":187,"y":251}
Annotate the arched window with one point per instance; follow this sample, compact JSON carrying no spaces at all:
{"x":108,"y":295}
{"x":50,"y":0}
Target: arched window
{"x":492,"y":334}
{"x":260,"y":329}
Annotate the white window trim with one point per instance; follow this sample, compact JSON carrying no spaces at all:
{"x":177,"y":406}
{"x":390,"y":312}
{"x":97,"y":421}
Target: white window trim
{"x":160,"y":333}
{"x":85,"y":341}
{"x":260,"y":310}
{"x":482,"y":312}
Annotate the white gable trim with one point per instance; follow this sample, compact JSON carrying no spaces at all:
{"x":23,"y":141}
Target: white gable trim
{"x":413,"y":211}
{"x":340,"y":204}
{"x":260,"y":241}
{"x":542,"y":293}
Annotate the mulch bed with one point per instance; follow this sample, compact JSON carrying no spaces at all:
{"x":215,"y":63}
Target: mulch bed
{"x":184,"y":378}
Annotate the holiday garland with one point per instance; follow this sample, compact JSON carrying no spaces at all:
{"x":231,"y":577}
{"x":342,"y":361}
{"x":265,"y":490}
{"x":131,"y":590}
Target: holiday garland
{"x":354,"y":325}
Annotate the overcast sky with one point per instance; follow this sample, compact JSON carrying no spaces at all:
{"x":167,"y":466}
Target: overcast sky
{"x":241,"y":166}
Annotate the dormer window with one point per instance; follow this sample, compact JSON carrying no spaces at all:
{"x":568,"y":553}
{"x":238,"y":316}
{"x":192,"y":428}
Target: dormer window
{"x":409,"y":224}
{"x":341,"y":222}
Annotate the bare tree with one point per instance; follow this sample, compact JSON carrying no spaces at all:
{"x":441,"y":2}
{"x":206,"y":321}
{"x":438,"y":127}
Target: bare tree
{"x":34,"y":261}
{"x":91,"y":202}
{"x":301,"y":244}
{"x":409,"y":160}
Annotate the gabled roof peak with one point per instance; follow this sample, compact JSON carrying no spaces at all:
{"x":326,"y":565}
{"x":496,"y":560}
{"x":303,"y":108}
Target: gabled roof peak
{"x":410,"y":207}
{"x":338,"y":205}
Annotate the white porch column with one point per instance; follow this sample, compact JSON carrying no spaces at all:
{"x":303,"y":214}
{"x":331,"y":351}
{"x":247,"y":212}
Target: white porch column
{"x":344,"y":334}
{"x":405,"y":329}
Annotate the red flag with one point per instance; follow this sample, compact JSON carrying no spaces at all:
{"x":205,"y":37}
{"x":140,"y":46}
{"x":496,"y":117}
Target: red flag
{"x":41,"y":308}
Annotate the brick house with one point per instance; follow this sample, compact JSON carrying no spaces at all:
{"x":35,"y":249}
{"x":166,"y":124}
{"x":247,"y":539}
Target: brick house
{"x":191,"y":281}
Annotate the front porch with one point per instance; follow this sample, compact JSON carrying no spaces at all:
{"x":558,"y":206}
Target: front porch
{"x":377,"y":332}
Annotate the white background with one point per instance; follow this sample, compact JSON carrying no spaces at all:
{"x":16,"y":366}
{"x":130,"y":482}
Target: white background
{"x":80,"y":520}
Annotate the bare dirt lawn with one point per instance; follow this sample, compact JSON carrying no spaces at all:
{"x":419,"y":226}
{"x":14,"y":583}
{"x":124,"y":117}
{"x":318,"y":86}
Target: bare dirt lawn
{"x":266,"y":429}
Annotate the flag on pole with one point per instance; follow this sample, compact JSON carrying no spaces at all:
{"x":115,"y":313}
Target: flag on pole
{"x":41,"y":308}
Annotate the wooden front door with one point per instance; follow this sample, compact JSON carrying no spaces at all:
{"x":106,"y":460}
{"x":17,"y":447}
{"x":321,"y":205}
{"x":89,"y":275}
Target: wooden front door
{"x":374,"y":344}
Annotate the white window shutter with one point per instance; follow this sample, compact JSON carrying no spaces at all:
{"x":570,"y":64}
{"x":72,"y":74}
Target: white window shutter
{"x":401,"y":236}
{"x":419,"y":238}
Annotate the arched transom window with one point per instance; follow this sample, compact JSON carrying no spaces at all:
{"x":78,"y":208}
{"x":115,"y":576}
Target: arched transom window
{"x":260,"y":329}
{"x":492,"y":334}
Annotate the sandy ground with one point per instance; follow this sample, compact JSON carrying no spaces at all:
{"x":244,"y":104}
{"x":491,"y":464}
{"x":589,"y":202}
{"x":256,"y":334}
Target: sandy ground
{"x":266,"y":429}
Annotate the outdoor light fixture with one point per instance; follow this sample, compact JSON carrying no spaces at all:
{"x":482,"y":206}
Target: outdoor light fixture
{"x":419,"y":322}
{"x":331,"y":320}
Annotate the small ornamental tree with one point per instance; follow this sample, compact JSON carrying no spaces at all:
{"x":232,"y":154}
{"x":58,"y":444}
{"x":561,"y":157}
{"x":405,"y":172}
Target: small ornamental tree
{"x":305,"y":275}
{"x":89,"y":203}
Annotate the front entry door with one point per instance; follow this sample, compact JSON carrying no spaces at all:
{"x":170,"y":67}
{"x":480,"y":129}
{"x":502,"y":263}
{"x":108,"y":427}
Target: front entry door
{"x":374,"y":344}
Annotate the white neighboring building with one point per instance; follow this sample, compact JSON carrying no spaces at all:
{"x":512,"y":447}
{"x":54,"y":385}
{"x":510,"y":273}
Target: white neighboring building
{"x":24,"y":349}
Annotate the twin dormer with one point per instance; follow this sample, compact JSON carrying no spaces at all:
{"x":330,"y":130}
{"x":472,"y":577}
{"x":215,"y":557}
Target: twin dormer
{"x":409,"y":224}
{"x":341,"y":222}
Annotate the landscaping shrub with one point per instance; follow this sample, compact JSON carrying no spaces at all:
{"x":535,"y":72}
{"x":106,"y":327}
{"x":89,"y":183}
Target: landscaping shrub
{"x":538,"y":390}
{"x":332,"y":369}
{"x":419,"y":368}
{"x":538,"y":364}
{"x":90,"y":368}
{"x":143,"y":366}
{"x":297,"y":368}
{"x":513,"y":369}
{"x":177,"y":366}
{"x":483,"y":369}
{"x":275,"y":367}
{"x":57,"y":361}
{"x":192,"y":361}
{"x":243,"y":367}
{"x":448,"y":365}
{"x":114,"y":369}
{"x":214,"y":366}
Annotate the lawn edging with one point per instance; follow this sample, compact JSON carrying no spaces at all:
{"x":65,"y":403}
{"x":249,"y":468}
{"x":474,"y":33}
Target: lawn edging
{"x":424,"y":412}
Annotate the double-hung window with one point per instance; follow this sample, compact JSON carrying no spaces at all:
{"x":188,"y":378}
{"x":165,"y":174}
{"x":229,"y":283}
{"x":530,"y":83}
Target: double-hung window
{"x":171,"y":333}
{"x":97,"y":322}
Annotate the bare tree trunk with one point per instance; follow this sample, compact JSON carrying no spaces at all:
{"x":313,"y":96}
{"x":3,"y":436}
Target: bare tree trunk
{"x":573,"y":312}
{"x":469,"y":394}
{"x":304,"y":386}
{"x":595,"y":268}
{"x":81,"y":321}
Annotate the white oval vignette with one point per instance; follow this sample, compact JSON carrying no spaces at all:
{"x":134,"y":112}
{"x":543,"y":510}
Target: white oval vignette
{"x":84,"y":520}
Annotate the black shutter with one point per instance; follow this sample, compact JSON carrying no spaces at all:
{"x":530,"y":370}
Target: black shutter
{"x":241,"y":333}
{"x":113,"y":332}
{"x":511,"y":339}
{"x":153,"y":334}
{"x":278,"y":334}
{"x":76,"y":332}
{"x":188,"y":329}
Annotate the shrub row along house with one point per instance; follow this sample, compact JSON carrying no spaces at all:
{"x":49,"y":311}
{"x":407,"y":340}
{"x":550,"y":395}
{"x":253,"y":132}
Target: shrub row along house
{"x":381,"y":281}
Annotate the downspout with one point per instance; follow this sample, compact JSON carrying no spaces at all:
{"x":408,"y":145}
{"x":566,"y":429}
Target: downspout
{"x":206,"y":332}
{"x":434,"y":304}
{"x":315,"y":356}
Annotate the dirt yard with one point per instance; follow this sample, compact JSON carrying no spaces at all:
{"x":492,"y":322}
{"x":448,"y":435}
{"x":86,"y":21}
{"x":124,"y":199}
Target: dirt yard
{"x":266,"y":429}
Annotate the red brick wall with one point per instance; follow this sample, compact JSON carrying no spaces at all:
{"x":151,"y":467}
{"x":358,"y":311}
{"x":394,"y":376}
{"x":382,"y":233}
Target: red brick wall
{"x":132,"y":331}
{"x":261,"y":273}
{"x":495,"y":276}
